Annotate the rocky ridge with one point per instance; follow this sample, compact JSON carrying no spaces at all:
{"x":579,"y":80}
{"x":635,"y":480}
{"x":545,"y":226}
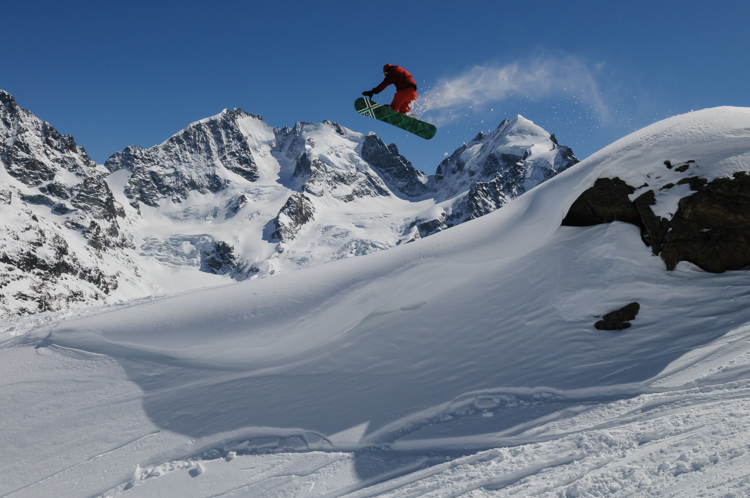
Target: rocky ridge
{"x":62,"y":234}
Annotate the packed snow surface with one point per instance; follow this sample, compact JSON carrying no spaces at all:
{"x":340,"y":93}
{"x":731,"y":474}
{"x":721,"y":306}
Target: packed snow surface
{"x":463,"y":364}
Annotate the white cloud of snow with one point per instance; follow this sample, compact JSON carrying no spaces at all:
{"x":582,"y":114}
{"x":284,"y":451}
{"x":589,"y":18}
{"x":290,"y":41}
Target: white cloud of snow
{"x":535,"y":79}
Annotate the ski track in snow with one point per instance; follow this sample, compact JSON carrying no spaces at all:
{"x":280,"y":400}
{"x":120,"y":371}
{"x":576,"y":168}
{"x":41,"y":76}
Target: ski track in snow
{"x":465,"y":364}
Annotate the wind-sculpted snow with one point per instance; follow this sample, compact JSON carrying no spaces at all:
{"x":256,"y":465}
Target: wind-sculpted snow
{"x":522,"y":280}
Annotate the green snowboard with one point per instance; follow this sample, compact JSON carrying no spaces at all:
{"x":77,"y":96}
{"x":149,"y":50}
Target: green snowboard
{"x":367,"y":107}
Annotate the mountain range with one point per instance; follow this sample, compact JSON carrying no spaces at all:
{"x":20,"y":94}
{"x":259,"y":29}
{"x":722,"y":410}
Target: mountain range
{"x":231,"y":197}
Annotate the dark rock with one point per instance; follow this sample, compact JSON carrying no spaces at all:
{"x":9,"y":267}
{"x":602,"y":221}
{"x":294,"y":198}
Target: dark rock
{"x":694,"y":182}
{"x":93,"y":195}
{"x":61,"y":209}
{"x":393,"y":168}
{"x":303,"y":168}
{"x":432,"y":226}
{"x":235,"y":205}
{"x":55,"y":189}
{"x":618,"y":319}
{"x":38,"y":199}
{"x":218,"y":258}
{"x":33,"y":151}
{"x":297,"y":211}
{"x":483,"y":198}
{"x":605,"y":202}
{"x":451,"y":165}
{"x":188,"y":161}
{"x":654,"y":228}
{"x":336,"y":127}
{"x":319,"y":179}
{"x":711,"y":228}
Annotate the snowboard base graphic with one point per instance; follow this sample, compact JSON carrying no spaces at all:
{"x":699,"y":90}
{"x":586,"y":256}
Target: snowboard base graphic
{"x":372,"y":109}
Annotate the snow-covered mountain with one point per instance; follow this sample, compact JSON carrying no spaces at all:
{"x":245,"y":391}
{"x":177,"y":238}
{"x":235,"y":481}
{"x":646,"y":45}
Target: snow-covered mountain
{"x":231,"y":197}
{"x":64,"y":240}
{"x":569,"y":344}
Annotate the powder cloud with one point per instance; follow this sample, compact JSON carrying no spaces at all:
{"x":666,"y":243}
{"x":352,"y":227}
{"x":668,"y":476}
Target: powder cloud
{"x":536,"y":79}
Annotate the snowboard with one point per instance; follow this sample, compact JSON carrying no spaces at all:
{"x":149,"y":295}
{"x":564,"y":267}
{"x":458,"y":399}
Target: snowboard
{"x":372,"y":109}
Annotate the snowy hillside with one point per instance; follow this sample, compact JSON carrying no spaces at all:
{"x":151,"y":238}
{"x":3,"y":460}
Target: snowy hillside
{"x":230,"y":198}
{"x":464,"y":364}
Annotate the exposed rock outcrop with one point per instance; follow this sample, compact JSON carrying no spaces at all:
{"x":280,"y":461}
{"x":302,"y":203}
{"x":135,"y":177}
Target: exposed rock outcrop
{"x":395,"y":169}
{"x":34,"y":152}
{"x":328,"y":168}
{"x":711,"y":227}
{"x":39,"y":270}
{"x":297,"y":211}
{"x":619,"y":319}
{"x":605,"y":202}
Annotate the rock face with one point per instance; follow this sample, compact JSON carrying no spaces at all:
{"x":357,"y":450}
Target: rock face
{"x":605,"y":202}
{"x":710,"y":228}
{"x":297,"y":211}
{"x":196,"y":159}
{"x":399,"y":175}
{"x":346,"y":178}
{"x":39,"y":269}
{"x":61,"y":229}
{"x":619,"y":319}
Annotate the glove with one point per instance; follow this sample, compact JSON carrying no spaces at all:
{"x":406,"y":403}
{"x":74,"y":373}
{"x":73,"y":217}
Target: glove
{"x":368,"y":94}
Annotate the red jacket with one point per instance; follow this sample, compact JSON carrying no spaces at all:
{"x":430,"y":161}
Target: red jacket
{"x":398,"y":76}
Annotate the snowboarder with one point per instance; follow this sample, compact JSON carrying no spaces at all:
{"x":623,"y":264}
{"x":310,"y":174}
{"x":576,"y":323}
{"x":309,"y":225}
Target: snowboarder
{"x":406,"y":88}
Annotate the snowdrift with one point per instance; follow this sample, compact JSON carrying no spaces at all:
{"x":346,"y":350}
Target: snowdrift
{"x":428,"y":340}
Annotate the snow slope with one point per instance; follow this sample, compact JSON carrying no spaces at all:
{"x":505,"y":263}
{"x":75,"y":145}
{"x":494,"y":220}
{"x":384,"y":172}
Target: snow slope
{"x":464,"y":364}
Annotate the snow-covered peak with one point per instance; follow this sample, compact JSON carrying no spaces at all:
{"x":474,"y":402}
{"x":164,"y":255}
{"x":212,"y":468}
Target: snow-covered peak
{"x":204,"y":157}
{"x":518,"y":151}
{"x":330,"y":143}
{"x":519,"y":125}
{"x":36,"y":154}
{"x":226,"y":114}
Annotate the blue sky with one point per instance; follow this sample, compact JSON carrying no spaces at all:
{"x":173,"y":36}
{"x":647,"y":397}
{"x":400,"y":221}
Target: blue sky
{"x":114,"y":74}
